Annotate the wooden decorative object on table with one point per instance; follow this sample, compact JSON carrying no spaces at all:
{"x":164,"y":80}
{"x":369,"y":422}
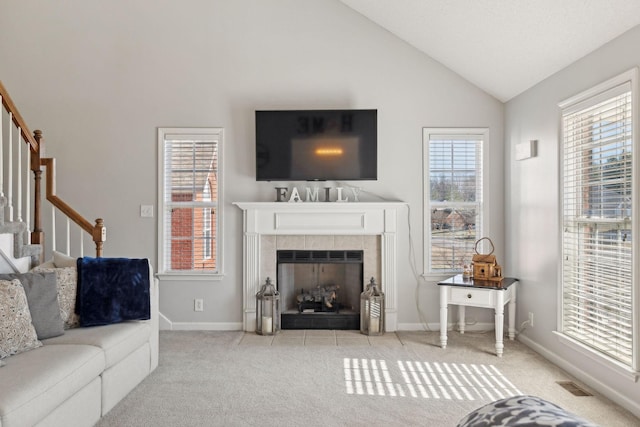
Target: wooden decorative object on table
{"x":485,"y":266}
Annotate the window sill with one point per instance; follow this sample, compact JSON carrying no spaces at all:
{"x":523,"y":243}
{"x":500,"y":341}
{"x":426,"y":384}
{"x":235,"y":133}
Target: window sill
{"x":190,"y":277}
{"x":604,"y":361}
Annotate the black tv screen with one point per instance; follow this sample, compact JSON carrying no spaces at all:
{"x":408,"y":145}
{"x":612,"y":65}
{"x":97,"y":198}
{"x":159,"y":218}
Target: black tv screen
{"x":316,"y":145}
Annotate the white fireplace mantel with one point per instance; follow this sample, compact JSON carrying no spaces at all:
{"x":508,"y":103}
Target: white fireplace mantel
{"x":319,"y":218}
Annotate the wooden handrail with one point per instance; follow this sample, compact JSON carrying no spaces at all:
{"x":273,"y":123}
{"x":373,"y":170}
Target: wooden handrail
{"x":36,"y":148}
{"x":17,"y":119}
{"x":97,"y":231}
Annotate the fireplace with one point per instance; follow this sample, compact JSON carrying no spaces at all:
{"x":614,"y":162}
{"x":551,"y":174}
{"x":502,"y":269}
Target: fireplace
{"x":272,"y":226}
{"x":320,"y":289}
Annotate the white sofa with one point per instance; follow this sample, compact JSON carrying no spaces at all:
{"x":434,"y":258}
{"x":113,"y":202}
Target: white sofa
{"x":76,"y":378}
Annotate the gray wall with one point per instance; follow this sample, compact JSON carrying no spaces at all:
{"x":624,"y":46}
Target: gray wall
{"x":99,"y":77}
{"x":533,"y":209}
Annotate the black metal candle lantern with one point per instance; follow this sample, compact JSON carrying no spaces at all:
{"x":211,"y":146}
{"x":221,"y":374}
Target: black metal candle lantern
{"x":372,"y":310}
{"x":267,"y":309}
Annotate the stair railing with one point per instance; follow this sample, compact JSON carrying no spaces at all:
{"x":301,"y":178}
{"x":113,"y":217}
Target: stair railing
{"x":97,"y":231}
{"x":26,"y":157}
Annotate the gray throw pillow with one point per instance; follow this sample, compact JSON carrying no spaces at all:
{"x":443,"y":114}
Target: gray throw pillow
{"x":62,"y":260}
{"x":67,"y":285}
{"x":42,"y":296}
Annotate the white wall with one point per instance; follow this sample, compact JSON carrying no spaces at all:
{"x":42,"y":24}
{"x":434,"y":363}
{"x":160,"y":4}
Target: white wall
{"x":532,"y":207}
{"x":99,"y":77}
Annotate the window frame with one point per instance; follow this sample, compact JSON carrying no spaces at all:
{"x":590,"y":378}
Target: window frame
{"x":484,"y":230}
{"x":579,"y":102}
{"x":216,"y":134}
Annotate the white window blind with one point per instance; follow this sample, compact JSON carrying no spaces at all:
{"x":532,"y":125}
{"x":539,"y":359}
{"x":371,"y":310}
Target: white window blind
{"x":598,"y":233}
{"x":190,"y":195}
{"x":453,"y":199}
{"x":206,"y":225}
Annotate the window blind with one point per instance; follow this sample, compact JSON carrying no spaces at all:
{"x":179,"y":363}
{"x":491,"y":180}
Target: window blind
{"x":190,"y":202}
{"x":455,"y":199}
{"x":597,"y":281}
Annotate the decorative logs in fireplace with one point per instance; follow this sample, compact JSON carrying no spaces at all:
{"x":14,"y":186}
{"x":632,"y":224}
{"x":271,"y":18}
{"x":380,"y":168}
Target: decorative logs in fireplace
{"x":320,"y":298}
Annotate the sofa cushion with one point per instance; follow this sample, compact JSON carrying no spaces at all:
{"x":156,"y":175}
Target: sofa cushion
{"x":42,"y":297}
{"x":67,"y":285}
{"x":119,"y":380}
{"x":17,"y":333}
{"x":82,"y":409}
{"x":117,"y":340}
{"x":36,"y":382}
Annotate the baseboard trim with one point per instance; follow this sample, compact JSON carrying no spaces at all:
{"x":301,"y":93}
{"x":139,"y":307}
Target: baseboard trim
{"x":432,"y":327}
{"x":583,"y":376}
{"x":206,"y":326}
{"x":164,"y":323}
{"x":168,"y":325}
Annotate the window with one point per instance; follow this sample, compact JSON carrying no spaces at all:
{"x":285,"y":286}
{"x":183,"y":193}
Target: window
{"x":454,"y":209}
{"x":598,"y":235}
{"x":190,"y":197}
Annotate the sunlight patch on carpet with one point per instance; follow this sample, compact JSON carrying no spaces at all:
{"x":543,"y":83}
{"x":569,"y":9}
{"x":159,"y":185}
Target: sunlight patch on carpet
{"x":427,"y":380}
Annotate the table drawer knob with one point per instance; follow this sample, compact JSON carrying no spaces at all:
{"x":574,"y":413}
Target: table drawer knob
{"x":469,"y":296}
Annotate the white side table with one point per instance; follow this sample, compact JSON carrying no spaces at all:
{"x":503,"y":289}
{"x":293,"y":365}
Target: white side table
{"x":464,"y":292}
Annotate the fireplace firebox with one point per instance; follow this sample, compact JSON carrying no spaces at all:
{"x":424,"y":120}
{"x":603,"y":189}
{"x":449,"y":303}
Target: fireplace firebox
{"x":320,"y":289}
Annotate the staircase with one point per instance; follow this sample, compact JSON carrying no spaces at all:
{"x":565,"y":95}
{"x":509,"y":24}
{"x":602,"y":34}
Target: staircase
{"x":22,"y":232}
{"x":15,"y":254}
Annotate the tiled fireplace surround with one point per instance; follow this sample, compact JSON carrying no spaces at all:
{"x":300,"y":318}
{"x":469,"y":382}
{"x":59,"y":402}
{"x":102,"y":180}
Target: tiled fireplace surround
{"x":269,"y":227}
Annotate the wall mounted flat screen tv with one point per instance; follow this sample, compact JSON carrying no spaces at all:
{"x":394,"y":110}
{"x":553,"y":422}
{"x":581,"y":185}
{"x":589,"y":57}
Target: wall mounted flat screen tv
{"x":316,"y":145}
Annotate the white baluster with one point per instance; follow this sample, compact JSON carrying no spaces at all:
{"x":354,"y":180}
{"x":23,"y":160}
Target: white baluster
{"x":28,"y":193}
{"x":81,"y":242}
{"x":53,"y":228}
{"x":68,"y":236}
{"x":19,"y":175}
{"x":10,"y":169}
{"x":2,"y":152}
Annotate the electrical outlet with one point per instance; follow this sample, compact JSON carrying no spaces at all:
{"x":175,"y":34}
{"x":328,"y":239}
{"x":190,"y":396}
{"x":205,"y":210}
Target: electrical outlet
{"x":198,"y":304}
{"x":531,"y":319}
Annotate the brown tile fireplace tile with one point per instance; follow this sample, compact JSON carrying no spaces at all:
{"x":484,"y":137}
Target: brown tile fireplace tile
{"x":321,"y":337}
{"x":324,"y":333}
{"x":318,"y":242}
{"x":348,"y":242}
{"x":288,"y":340}
{"x":290,"y":242}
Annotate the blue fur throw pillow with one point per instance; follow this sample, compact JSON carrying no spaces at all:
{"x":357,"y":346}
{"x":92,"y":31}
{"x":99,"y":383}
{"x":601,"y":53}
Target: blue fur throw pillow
{"x":112,"y":290}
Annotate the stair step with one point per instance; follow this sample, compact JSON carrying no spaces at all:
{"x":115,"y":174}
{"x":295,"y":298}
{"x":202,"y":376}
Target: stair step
{"x":23,"y":264}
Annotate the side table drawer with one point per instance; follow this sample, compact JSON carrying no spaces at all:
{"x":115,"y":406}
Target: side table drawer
{"x":476,"y":297}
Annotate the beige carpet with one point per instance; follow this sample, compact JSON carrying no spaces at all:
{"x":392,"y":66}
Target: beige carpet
{"x":342,"y":378}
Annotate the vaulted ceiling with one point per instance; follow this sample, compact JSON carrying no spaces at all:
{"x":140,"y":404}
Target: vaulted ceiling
{"x":503,"y":46}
